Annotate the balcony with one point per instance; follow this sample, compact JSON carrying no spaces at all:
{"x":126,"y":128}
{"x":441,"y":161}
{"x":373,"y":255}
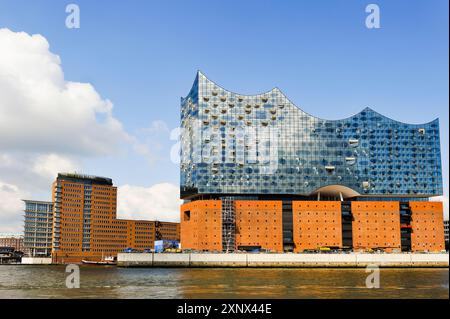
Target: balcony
{"x":350,"y":160}
{"x":353,"y":142}
{"x":330,"y":169}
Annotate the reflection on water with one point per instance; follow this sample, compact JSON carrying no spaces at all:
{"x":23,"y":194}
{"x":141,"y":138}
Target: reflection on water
{"x":21,"y":281}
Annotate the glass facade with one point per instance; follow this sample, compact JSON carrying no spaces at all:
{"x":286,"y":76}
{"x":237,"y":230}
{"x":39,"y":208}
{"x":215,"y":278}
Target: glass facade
{"x":264,"y":144}
{"x":38,"y":228}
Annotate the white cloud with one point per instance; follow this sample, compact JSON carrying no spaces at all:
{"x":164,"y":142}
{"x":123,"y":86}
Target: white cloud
{"x":50,"y":165}
{"x":43,"y":112}
{"x":49,"y":124}
{"x":157,"y":126}
{"x":11,"y":208}
{"x":151,"y":142}
{"x":144,"y":150}
{"x":34,"y":172}
{"x":158,"y":202}
{"x":24,"y":176}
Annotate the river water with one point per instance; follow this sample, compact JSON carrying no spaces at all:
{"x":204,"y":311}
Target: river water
{"x":24,"y":281}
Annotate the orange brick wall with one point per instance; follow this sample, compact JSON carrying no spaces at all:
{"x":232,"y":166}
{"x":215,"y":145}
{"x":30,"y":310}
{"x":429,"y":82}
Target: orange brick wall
{"x":427,"y":226}
{"x":376,"y":225}
{"x":141,"y":234}
{"x":203,"y":230}
{"x":71,"y":223}
{"x":106,"y":237}
{"x":259,"y":223}
{"x":316,"y":224}
{"x":169,"y":230}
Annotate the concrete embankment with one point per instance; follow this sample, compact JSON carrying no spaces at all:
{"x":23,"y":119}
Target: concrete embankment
{"x":353,"y":260}
{"x":36,"y":261}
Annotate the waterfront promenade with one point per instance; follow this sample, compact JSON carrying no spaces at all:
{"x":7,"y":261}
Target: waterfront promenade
{"x":351,"y":260}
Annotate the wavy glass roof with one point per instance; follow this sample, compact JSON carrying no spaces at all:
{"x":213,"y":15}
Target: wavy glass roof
{"x":264,"y":144}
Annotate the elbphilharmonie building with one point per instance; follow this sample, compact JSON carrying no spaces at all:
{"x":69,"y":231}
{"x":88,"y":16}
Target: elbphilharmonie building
{"x":258,"y":173}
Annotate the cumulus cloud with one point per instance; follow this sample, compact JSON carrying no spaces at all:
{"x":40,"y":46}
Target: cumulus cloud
{"x":158,"y":202}
{"x":22,"y":177}
{"x":50,"y":165}
{"x":49,"y":124}
{"x":11,"y":207}
{"x":151,"y":142}
{"x":41,"y":111}
{"x":156,"y":127}
{"x":34,"y":172}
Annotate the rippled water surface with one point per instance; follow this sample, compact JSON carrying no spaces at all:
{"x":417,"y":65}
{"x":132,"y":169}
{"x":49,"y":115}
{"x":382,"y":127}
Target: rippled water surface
{"x":23,"y":281}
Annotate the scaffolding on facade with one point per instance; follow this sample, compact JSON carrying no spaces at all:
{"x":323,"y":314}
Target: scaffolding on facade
{"x":228,"y":224}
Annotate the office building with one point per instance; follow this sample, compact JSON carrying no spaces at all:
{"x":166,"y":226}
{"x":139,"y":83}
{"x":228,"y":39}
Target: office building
{"x":38,"y":228}
{"x":84,"y":223}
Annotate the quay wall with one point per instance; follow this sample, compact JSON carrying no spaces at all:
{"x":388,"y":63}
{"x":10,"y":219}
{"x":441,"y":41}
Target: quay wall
{"x":271,"y":260}
{"x":36,"y":261}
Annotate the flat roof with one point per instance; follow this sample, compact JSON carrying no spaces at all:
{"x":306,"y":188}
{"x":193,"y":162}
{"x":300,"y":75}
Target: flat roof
{"x":86,"y":178}
{"x":37,"y":201}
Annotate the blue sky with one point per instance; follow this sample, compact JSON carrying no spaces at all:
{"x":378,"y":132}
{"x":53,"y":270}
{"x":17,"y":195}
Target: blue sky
{"x":143,"y":55}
